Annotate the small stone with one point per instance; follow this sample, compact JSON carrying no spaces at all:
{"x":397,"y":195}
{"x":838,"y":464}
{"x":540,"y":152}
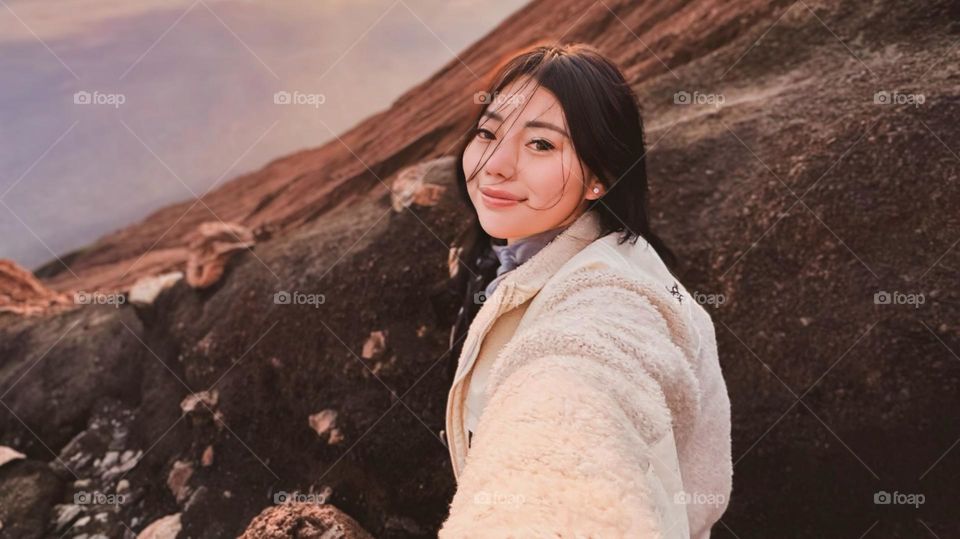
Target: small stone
{"x":375,"y":345}
{"x":207,"y":458}
{"x":109,"y":459}
{"x":200,"y":401}
{"x":323,"y":421}
{"x":63,"y":515}
{"x":8,"y":454}
{"x":164,"y":528}
{"x":146,"y":289}
{"x":178,"y":478}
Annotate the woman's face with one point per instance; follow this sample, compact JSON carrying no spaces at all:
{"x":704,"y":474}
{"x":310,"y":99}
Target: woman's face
{"x":529,"y":178}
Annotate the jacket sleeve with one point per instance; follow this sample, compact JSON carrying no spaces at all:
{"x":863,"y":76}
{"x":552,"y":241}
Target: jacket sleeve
{"x":579,"y":402}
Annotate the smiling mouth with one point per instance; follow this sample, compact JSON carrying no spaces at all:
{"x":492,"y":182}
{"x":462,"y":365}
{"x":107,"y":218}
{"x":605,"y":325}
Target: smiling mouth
{"x":499,"y":195}
{"x":493,"y":203}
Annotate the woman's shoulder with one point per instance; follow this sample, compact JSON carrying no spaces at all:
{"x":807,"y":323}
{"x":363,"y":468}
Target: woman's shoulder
{"x":607,"y":272}
{"x":605,"y":259}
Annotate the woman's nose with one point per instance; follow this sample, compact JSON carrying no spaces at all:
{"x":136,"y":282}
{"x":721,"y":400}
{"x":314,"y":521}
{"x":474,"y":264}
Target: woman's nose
{"x":503,"y":161}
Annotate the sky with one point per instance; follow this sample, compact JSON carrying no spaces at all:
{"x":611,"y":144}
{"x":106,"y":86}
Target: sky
{"x":110,"y":109}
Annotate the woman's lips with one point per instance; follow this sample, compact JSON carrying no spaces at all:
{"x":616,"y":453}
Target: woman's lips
{"x":494,"y":202}
{"x":498,"y":198}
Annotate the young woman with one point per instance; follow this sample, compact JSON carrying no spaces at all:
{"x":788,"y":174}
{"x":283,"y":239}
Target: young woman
{"x":588,"y":399}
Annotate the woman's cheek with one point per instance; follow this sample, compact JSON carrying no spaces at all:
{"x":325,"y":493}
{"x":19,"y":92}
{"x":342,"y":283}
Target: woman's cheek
{"x":545,"y":187}
{"x":471,"y":158}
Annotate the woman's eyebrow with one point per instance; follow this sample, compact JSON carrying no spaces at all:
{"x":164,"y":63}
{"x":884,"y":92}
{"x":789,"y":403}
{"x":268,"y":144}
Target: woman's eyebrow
{"x":532,"y":123}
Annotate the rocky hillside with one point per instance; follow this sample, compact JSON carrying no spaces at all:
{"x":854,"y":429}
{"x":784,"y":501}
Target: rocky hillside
{"x":804,"y":166}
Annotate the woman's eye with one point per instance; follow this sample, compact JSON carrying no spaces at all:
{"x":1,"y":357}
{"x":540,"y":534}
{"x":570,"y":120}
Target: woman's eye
{"x":481,"y":132}
{"x":542,"y":145}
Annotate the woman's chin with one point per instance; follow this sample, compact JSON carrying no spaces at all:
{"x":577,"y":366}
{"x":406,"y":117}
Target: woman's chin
{"x":497,"y":226}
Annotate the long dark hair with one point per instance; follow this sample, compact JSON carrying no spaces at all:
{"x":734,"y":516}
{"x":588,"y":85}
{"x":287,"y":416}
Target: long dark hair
{"x":604,"y":123}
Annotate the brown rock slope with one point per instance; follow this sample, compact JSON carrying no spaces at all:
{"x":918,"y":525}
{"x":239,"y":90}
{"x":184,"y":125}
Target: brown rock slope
{"x":800,"y":200}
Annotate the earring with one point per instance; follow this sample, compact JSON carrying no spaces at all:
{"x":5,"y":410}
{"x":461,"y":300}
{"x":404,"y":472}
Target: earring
{"x":596,"y":189}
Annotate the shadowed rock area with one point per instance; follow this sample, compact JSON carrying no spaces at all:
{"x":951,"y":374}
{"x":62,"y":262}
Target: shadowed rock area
{"x":804,"y":166}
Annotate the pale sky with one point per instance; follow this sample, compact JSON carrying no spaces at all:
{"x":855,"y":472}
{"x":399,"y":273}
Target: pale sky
{"x":197,"y":82}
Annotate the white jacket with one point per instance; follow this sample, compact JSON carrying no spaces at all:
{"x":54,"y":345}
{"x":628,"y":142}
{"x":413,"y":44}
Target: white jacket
{"x":606,"y":413}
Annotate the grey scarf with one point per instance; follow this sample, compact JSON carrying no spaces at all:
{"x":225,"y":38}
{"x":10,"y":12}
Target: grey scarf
{"x":518,"y":252}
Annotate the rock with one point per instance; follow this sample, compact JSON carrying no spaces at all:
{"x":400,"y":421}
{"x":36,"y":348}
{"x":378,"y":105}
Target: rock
{"x":164,"y":528}
{"x":304,"y":521}
{"x":207,"y":458}
{"x":453,"y":260}
{"x":8,"y":454}
{"x":323,"y":422}
{"x":201,"y":401}
{"x":375,"y":345}
{"x":178,"y":479}
{"x":23,"y":294}
{"x":28,"y":492}
{"x":422,"y":184}
{"x":215,"y":243}
{"x":146,"y":289}
{"x":107,"y":434}
{"x":63,"y":516}
{"x":336,"y":436}
{"x":57,"y":369}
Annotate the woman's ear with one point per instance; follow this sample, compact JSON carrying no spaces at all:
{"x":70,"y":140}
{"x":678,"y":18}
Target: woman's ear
{"x":595,"y":189}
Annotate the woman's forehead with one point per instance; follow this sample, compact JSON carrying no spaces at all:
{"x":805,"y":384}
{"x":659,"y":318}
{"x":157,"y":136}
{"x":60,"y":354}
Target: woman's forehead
{"x":532,"y":101}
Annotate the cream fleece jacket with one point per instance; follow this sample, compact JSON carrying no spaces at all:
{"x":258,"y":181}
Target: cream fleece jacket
{"x":606,"y":412}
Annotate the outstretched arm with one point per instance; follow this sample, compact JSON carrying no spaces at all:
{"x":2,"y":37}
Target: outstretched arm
{"x":577,"y":439}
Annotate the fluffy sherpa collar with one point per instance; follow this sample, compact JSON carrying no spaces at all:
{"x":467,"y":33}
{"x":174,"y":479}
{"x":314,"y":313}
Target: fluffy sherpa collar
{"x":528,"y":278}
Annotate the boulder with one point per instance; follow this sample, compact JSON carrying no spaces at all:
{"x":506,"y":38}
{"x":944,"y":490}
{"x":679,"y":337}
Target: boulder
{"x":304,"y":521}
{"x":23,"y":294}
{"x":211,"y":249}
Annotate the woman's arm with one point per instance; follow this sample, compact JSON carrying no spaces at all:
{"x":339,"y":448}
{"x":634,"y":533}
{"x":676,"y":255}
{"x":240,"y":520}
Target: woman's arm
{"x":592,"y":393}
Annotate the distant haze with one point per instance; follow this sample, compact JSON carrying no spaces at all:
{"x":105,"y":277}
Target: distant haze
{"x":183,"y":97}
